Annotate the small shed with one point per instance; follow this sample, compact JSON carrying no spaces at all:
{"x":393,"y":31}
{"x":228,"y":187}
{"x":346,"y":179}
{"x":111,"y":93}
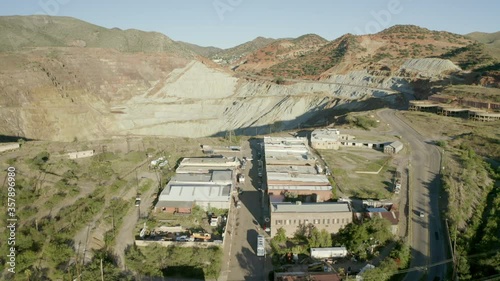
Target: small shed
{"x":81,"y":154}
{"x":393,"y":147}
{"x":334,"y":252}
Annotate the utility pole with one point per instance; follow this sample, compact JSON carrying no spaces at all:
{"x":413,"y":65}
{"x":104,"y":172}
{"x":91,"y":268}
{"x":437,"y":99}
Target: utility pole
{"x":113,"y":220}
{"x":102,"y":272}
{"x":137,"y":181}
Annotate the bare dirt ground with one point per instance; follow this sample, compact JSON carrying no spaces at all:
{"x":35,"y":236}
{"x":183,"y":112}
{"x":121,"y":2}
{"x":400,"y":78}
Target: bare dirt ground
{"x":126,"y":233}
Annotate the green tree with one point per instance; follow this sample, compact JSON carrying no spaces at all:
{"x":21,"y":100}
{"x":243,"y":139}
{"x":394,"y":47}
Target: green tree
{"x":39,"y":160}
{"x":325,"y":238}
{"x":360,"y":238}
{"x":279,"y":80}
{"x":280,"y":236}
{"x":315,"y":240}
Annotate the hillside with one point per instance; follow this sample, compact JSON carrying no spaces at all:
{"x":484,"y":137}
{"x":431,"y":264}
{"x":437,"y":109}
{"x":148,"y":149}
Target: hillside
{"x":279,"y":51}
{"x":492,"y":39}
{"x":230,"y":55}
{"x":68,"y":79}
{"x":385,"y":50}
{"x":200,"y":50}
{"x":20,"y":32}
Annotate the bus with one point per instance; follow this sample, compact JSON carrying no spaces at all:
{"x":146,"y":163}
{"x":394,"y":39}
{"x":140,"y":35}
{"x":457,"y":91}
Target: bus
{"x":261,"y":246}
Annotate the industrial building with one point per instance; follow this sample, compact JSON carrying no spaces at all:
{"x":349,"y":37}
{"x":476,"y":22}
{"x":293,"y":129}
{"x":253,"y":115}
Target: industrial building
{"x":282,"y":182}
{"x":331,"y":216}
{"x":279,"y":193}
{"x":393,"y":147}
{"x":293,"y":174}
{"x":332,"y":139}
{"x":288,"y":151}
{"x":329,"y":139}
{"x":453,"y":107}
{"x":203,"y":182}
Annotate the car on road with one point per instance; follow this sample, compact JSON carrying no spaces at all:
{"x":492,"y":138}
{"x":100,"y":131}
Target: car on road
{"x":421,"y":214}
{"x":137,"y":201}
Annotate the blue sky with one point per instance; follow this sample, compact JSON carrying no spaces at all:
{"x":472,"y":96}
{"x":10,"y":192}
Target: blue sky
{"x":227,"y":23}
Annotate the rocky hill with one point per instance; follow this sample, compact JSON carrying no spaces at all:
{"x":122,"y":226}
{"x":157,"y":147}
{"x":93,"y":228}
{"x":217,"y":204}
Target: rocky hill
{"x":63,"y":79}
{"x":386,"y":50}
{"x":491,"y":39}
{"x":200,"y":50}
{"x":231,"y":55}
{"x":279,"y":51}
{"x":18,"y":32}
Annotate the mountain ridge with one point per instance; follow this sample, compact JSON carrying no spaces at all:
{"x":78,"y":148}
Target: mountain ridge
{"x":62,"y":79}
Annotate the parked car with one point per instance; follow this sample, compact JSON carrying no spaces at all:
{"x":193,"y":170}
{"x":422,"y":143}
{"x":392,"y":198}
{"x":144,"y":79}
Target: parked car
{"x":137,"y":202}
{"x":214,"y":221}
{"x":238,"y":205}
{"x":421,"y":214}
{"x":184,"y":238}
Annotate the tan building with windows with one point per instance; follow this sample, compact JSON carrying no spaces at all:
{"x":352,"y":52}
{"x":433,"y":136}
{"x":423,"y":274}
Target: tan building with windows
{"x":328,"y":139}
{"x":331,"y":216}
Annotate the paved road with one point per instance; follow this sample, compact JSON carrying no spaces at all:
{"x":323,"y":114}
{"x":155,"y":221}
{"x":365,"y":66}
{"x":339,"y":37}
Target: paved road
{"x":241,"y":262}
{"x":428,"y":238}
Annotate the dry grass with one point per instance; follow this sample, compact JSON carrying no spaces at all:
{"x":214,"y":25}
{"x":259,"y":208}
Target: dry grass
{"x":483,"y":137}
{"x":344,"y":164}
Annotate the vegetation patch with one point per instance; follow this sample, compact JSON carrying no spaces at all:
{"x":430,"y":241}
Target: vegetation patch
{"x":185,"y":262}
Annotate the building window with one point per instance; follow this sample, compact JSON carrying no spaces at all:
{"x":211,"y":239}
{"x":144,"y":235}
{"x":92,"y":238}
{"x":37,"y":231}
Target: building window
{"x":289,"y":221}
{"x":324,"y":221}
{"x":342,"y":221}
{"x":328,"y":221}
{"x":316,"y":221}
{"x":338,"y":220}
{"x":294,"y":221}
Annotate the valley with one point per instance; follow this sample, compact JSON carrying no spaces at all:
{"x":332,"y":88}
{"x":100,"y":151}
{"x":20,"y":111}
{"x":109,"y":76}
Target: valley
{"x":128,"y":97}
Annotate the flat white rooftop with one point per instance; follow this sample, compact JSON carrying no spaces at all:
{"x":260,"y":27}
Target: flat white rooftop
{"x":291,"y":169}
{"x":215,"y":177}
{"x":325,"y":134}
{"x":295,"y":177}
{"x":202,"y":193}
{"x":300,"y":187}
{"x":210,"y":161}
{"x":285,"y":141}
{"x":200,"y":169}
{"x":327,"y":207}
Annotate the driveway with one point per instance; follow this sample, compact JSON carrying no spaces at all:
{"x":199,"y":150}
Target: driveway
{"x":428,"y":236}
